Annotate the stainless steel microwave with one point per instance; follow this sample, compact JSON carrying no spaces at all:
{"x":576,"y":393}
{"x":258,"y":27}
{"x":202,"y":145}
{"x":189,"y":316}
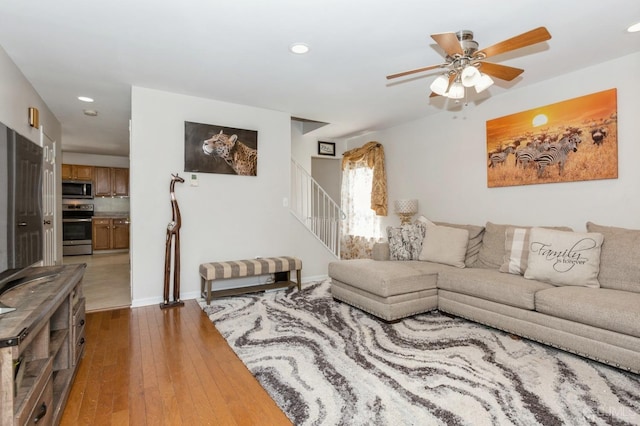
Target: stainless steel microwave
{"x":77,"y":189}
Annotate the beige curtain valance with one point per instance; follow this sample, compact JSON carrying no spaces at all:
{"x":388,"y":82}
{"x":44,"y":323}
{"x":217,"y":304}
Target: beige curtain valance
{"x":372,"y":155}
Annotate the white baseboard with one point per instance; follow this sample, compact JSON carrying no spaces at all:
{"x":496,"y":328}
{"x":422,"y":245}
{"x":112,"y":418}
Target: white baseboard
{"x":136,"y":303}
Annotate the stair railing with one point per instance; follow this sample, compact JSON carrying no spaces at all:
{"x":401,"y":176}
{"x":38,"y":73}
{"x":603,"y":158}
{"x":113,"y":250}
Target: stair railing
{"x":315,"y":209}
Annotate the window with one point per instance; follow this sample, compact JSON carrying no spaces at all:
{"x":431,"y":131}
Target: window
{"x":363,"y":198}
{"x":361,"y":220}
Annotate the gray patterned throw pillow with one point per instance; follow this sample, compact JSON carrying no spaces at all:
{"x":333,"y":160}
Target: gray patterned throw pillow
{"x":405,"y":242}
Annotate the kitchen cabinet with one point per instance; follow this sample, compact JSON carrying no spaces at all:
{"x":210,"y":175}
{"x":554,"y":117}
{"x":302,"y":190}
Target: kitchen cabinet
{"x":41,"y":344}
{"x":111,"y":182}
{"x":120,"y":233}
{"x":101,"y":234}
{"x":110,"y":233}
{"x":76,"y":172}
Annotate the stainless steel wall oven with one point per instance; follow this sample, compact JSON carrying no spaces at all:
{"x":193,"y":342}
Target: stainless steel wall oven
{"x":76,"y":229}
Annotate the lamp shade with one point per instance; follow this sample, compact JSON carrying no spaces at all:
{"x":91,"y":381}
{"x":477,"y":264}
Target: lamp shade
{"x":456,"y":91}
{"x":440,"y":85}
{"x":484,"y":82}
{"x":406,"y":206}
{"x":470,"y":76}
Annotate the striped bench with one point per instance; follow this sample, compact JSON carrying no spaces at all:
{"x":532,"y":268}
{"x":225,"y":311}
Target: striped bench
{"x":212,"y":271}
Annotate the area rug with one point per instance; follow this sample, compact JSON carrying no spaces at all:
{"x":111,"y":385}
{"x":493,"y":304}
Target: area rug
{"x":326,"y":363}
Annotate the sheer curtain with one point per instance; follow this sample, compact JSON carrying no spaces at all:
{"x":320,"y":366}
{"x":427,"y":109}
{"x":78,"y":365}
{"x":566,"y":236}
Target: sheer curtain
{"x":363,"y":199}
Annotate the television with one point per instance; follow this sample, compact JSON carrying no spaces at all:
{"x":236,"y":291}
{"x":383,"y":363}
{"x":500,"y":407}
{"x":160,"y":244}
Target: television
{"x":21,"y":220}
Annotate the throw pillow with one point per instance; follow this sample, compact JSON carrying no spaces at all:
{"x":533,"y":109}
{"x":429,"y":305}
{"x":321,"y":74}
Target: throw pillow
{"x":516,"y":245}
{"x":446,"y":245}
{"x":564,"y":258}
{"x":405,"y":242}
{"x":619,"y":260}
{"x":424,"y":221}
{"x":492,"y":252}
{"x":475,"y":240}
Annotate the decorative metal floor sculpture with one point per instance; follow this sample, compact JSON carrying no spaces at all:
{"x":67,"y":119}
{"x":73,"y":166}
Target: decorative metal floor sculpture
{"x":173,"y":237}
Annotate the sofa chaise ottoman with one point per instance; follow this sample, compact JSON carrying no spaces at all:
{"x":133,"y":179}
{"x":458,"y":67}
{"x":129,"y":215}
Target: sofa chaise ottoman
{"x":388,"y":290}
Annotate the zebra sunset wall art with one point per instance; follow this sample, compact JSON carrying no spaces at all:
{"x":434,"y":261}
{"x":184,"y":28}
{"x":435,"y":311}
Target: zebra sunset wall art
{"x":217,"y":149}
{"x":568,"y":141}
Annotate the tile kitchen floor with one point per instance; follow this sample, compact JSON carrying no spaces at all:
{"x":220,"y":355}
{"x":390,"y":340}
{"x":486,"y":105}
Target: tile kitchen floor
{"x":107,"y":282}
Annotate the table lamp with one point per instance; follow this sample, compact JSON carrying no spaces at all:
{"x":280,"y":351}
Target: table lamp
{"x":406,"y":209}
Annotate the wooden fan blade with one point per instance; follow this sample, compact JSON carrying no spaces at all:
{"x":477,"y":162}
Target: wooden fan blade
{"x":502,"y":72}
{"x":526,"y":39}
{"x":402,"y":74}
{"x":449,"y":43}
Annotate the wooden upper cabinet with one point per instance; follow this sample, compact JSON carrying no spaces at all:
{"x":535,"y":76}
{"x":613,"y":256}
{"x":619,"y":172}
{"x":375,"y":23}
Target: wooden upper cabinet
{"x":102,"y":182}
{"x":120,"y":182}
{"x":66,"y":172}
{"x":111,"y":182}
{"x":76,"y":172}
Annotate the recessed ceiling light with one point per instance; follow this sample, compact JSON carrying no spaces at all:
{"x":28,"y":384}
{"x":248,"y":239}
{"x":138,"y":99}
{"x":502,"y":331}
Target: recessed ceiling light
{"x":634,"y":28}
{"x":299,"y":48}
{"x":90,"y":112}
{"x":85,"y":99}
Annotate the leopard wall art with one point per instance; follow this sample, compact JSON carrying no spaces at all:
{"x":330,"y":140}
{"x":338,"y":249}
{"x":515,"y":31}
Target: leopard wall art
{"x":242,"y":159}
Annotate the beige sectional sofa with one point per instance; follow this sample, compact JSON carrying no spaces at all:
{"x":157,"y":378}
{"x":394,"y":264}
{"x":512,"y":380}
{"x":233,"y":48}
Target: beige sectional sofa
{"x":601,"y":322}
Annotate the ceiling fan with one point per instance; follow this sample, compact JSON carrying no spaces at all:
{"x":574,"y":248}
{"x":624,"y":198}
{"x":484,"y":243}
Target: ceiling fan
{"x":466,"y":66}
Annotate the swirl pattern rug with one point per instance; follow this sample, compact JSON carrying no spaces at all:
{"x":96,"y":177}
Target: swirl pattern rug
{"x":326,"y":363}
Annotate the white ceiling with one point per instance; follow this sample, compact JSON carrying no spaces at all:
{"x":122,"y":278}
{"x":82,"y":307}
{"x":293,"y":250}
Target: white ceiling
{"x":237,"y":51}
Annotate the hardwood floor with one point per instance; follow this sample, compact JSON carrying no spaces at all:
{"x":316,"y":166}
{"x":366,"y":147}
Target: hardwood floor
{"x":147,"y":366}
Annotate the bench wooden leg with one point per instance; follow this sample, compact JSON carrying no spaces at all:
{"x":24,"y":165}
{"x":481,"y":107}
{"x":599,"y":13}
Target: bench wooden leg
{"x":299,"y":278}
{"x":205,"y":289}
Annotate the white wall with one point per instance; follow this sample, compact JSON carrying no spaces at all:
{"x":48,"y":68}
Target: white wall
{"x":226,"y":217}
{"x":17,"y":95}
{"x":302,"y":146}
{"x":327,"y":172}
{"x":95,"y":160}
{"x":441,"y":160}
{"x":305,"y":146}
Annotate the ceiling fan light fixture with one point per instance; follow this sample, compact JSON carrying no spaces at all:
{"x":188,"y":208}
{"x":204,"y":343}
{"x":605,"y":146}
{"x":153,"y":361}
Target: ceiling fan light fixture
{"x":456,"y":91}
{"x":440,"y":85}
{"x":464,"y":62}
{"x":470,"y":76}
{"x":484,"y":82}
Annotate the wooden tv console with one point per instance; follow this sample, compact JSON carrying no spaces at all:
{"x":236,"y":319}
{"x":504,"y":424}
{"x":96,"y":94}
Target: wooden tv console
{"x":41,"y":343}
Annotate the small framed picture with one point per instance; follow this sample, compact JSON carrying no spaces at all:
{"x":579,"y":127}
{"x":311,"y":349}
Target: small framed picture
{"x":327,"y":148}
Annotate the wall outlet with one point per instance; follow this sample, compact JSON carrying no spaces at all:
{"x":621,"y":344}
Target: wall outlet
{"x":285,"y":202}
